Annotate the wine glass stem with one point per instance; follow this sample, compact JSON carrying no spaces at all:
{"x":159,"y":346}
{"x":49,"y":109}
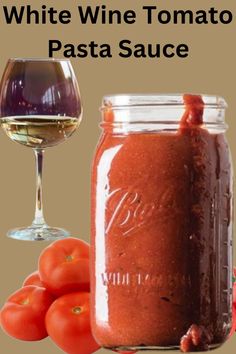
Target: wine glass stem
{"x":39,"y":219}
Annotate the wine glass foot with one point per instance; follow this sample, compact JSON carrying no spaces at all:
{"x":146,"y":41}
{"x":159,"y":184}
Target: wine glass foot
{"x":38,"y":233}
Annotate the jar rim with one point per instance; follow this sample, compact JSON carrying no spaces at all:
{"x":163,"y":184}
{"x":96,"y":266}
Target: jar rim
{"x":158,"y":100}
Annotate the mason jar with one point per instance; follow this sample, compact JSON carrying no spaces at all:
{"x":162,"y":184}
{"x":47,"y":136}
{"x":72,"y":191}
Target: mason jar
{"x":161,"y":224}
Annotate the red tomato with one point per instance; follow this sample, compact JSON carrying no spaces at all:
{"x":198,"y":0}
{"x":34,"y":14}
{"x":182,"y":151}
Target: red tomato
{"x":68,"y":324}
{"x":64,"y":266}
{"x":23,"y":315}
{"x":233,"y":329}
{"x":234,"y":293}
{"x":33,"y":279}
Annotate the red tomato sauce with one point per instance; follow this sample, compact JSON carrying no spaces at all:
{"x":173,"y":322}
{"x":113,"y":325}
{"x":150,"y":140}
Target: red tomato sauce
{"x":160,"y":212}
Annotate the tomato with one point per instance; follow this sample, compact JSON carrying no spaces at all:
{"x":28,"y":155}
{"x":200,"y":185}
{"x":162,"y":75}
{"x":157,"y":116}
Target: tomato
{"x":33,"y":279}
{"x":68,"y":324}
{"x":64,"y":266}
{"x":23,"y":315}
{"x":234,"y":288}
{"x":233,"y":328}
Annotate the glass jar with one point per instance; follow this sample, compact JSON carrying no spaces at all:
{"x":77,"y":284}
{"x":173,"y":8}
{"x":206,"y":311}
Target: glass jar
{"x":161,"y":226}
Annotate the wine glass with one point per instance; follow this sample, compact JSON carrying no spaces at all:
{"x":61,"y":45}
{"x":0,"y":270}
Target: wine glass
{"x":40,"y":107}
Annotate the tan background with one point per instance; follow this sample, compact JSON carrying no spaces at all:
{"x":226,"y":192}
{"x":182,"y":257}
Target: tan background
{"x":209,"y":69}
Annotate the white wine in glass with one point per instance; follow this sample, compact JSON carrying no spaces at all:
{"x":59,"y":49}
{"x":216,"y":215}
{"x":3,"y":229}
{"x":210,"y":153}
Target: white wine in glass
{"x":40,"y":107}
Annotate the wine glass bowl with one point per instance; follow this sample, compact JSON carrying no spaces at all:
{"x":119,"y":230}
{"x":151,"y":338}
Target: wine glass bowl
{"x":40,"y":107}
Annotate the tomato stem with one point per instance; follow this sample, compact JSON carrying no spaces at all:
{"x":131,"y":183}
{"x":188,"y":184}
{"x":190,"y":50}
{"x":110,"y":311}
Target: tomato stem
{"x":77,"y":310}
{"x":25,"y":302}
{"x":69,"y":258}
